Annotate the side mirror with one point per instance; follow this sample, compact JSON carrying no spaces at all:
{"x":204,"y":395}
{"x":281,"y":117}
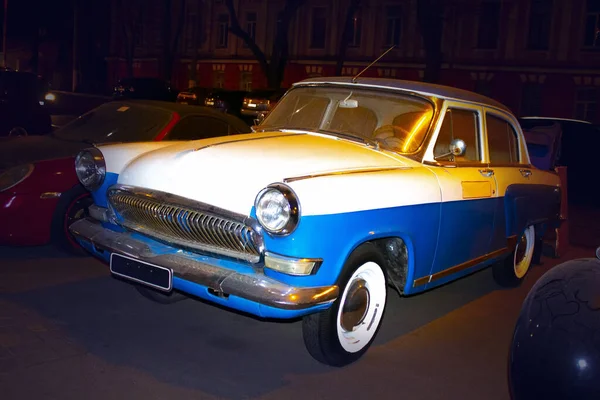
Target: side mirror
{"x":598,"y":253}
{"x":456,"y":148}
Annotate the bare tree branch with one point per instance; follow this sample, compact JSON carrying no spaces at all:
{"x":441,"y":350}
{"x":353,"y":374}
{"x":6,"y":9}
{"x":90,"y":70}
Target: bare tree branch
{"x":431,"y":23}
{"x":275,"y":67}
{"x":237,"y":30}
{"x":345,"y":38}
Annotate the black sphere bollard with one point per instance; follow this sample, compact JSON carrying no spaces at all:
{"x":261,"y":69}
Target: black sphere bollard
{"x":555,"y":351}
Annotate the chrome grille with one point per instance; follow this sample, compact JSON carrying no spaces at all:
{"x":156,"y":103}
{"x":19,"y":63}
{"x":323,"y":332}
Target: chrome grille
{"x":190,"y":224}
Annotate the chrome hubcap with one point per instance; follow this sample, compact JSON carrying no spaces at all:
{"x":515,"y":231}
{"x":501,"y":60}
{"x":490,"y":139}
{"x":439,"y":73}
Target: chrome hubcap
{"x":521,"y":250}
{"x":356,"y":305}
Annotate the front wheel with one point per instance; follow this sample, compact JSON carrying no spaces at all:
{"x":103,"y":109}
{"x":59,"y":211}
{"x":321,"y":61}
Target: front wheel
{"x":341,"y":334}
{"x":511,"y":271}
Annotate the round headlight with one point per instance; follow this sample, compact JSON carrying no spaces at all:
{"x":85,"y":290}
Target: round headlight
{"x":277,"y":209}
{"x":15,"y":175}
{"x":90,"y":168}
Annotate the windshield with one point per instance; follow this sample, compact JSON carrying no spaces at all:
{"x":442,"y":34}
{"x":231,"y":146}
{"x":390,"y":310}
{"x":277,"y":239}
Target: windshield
{"x":395,"y":121}
{"x":116,"y":122}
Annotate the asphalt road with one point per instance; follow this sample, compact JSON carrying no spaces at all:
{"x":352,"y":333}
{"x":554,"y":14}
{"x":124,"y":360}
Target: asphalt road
{"x":68,"y":330}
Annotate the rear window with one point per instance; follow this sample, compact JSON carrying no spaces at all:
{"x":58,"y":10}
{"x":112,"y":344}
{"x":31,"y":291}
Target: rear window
{"x":116,"y":122}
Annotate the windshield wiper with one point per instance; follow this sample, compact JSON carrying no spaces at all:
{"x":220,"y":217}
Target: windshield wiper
{"x":371,"y":142}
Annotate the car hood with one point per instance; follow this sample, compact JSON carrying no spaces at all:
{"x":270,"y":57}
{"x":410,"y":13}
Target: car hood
{"x":31,"y":149}
{"x":229,"y":172}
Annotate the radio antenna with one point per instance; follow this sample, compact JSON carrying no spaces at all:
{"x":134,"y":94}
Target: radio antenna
{"x":369,"y":66}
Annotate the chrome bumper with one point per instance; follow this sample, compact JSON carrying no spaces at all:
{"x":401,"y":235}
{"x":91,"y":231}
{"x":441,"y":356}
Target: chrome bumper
{"x":254,"y":287}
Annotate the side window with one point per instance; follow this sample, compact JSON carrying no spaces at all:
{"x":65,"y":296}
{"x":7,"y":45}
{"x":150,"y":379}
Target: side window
{"x":459,"y":124}
{"x":502,"y":141}
{"x":198,"y":127}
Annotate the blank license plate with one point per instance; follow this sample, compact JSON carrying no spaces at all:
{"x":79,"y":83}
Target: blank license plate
{"x":142,"y":272}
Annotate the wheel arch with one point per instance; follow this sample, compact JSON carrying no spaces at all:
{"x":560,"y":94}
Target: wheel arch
{"x":397,"y":249}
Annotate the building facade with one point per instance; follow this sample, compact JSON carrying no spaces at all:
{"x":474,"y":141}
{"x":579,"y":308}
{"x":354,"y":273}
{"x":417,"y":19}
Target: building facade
{"x":539,"y":57}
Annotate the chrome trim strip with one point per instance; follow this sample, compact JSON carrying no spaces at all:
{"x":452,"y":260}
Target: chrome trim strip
{"x":253,"y":286}
{"x":510,"y":246}
{"x":343,"y":172}
{"x":50,"y":195}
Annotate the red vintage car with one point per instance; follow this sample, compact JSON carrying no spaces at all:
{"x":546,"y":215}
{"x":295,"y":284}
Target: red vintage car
{"x":40,"y":195}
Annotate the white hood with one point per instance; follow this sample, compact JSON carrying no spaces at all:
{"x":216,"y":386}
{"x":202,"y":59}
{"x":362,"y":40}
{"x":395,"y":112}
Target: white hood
{"x":230,"y":172}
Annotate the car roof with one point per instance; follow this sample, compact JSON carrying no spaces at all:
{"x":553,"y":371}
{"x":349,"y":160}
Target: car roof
{"x":422,"y":88}
{"x":185,"y":110}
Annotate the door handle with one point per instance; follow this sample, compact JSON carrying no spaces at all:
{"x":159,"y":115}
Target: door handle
{"x":486,"y":172}
{"x":525,"y":172}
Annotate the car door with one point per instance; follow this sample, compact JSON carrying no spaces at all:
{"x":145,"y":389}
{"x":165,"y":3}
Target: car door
{"x":513,"y":174}
{"x":468,"y":192}
{"x":194,"y":127}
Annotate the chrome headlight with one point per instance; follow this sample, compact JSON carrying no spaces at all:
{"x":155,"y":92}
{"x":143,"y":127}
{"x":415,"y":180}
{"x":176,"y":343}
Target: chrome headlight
{"x":15,"y":175}
{"x":277,"y":209}
{"x":90,"y":168}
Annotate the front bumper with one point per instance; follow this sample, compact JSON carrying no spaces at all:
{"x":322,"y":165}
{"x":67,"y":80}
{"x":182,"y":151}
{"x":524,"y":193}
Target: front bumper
{"x":254,"y":287}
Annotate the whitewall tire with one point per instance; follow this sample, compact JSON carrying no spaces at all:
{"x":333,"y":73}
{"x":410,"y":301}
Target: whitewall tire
{"x":341,"y":334}
{"x":512,"y":270}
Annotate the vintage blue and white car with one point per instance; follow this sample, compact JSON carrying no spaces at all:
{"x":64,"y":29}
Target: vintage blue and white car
{"x":347,"y":187}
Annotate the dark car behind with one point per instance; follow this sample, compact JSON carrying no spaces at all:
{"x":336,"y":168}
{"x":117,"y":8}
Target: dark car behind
{"x":576,"y":147}
{"x":144,"y":89}
{"x":194,"y":96}
{"x":259,"y":102}
{"x":228,"y":101}
{"x":21,"y":104}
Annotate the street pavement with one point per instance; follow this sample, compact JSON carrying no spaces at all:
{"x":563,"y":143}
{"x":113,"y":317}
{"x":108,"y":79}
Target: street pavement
{"x":68,"y":330}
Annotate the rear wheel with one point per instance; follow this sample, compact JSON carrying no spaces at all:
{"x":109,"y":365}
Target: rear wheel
{"x":341,"y":334}
{"x":511,"y":271}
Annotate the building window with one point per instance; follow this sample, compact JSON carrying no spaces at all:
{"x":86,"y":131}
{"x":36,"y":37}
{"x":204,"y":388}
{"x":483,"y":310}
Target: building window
{"x":586,"y":104}
{"x":246,"y":81}
{"x":319,"y":28}
{"x":540,"y":22}
{"x":592,"y":24}
{"x":219,"y":79}
{"x":489,"y":25}
{"x":355,"y":30}
{"x":531,"y":99}
{"x":251,"y":26}
{"x":393,"y":20}
{"x":222,"y":31}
